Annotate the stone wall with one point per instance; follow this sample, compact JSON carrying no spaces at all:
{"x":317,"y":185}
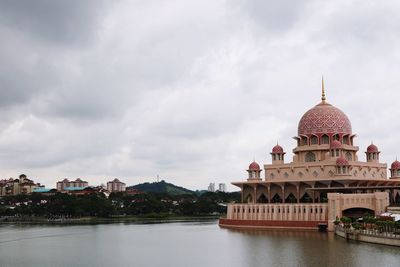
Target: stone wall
{"x":278,"y":212}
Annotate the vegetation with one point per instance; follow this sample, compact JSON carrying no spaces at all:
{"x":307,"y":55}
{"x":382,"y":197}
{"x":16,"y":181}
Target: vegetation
{"x":117,"y":205}
{"x":381,"y":224}
{"x":161,"y":187}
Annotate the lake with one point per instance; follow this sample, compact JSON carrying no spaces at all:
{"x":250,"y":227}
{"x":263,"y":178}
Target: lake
{"x":187,"y":244}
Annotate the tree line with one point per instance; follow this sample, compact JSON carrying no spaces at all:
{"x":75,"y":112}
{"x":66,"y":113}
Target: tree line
{"x":117,"y":204}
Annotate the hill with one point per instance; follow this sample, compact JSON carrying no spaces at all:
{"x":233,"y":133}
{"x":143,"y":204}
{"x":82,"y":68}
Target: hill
{"x":162,"y":187}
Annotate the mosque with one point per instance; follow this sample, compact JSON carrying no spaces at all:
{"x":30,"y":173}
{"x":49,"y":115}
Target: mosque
{"x":325,"y":180}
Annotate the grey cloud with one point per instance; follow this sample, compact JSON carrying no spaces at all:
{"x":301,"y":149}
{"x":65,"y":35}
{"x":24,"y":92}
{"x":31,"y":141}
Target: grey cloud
{"x":274,"y":16}
{"x":54,"y":20}
{"x":188,"y":90}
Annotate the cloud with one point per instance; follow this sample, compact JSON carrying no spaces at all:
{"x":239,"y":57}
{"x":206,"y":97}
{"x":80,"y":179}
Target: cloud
{"x":192,"y":91}
{"x":59,"y":22}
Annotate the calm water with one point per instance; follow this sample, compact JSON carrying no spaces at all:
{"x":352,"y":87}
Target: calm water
{"x":181,"y":244}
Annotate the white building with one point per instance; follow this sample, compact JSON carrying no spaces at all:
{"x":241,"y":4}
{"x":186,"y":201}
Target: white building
{"x":222,"y":187}
{"x":211,"y":187}
{"x":115,"y":186}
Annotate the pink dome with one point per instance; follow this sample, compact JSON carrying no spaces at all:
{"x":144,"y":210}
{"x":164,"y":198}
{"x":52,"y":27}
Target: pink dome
{"x":324,"y":119}
{"x":395,"y":165}
{"x":372,"y":148}
{"x":336,"y":144}
{"x":254,"y":166}
{"x":277,"y":149}
{"x":341,"y":161}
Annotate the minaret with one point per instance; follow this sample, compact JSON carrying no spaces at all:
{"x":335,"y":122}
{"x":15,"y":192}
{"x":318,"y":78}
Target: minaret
{"x":278,"y":155}
{"x":254,"y":171}
{"x":372,"y":153}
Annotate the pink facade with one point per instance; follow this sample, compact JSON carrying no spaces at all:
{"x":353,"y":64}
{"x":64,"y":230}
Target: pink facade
{"x":325,"y":161}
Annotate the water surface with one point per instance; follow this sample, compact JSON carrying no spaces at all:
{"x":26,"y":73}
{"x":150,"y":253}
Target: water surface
{"x":187,"y":244}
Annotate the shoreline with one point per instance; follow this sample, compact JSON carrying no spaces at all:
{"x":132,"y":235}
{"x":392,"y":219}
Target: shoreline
{"x":99,"y":220}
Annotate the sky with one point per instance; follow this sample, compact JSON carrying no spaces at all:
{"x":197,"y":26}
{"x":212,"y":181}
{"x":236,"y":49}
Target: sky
{"x":191,"y":91}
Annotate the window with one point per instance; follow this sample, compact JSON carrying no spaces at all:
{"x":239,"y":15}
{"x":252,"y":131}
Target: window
{"x":304,"y":139}
{"x":343,"y":168}
{"x":325,"y":139}
{"x":314,"y":140}
{"x":310,"y":157}
{"x":348,"y":156}
{"x":345,"y":140}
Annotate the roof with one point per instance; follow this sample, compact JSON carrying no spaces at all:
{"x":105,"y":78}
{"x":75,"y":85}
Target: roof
{"x":277,"y":149}
{"x":71,"y":188}
{"x":395,"y":165}
{"x":254,"y":166}
{"x":324,"y":119}
{"x":336,"y":144}
{"x":341,"y":161}
{"x":372,"y":148}
{"x":41,"y":190}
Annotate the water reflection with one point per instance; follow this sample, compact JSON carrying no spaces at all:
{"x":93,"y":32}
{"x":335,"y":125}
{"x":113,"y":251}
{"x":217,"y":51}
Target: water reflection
{"x":181,"y":244}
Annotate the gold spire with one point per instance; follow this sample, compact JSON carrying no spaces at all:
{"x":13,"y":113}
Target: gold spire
{"x":323,"y":98}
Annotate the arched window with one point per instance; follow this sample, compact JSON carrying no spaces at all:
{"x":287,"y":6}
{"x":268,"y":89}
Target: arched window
{"x":262,"y":199}
{"x":336,"y":137}
{"x":314,"y":140}
{"x":349,"y":156}
{"x":346,"y":140}
{"x":337,"y":152}
{"x":276,"y":199}
{"x":398,"y":173}
{"x":304,"y":140}
{"x":325,"y":139}
{"x":310,"y":157}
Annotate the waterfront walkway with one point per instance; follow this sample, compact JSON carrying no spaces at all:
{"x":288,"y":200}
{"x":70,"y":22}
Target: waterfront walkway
{"x":370,"y":236}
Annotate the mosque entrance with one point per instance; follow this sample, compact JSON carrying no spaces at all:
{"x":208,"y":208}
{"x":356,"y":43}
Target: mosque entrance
{"x":356,"y":213}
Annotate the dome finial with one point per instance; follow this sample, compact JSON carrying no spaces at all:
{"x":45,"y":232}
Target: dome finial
{"x":323,"y":98}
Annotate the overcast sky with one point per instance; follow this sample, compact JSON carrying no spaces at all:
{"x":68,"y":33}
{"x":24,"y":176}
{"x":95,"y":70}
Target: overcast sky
{"x":188,"y":90}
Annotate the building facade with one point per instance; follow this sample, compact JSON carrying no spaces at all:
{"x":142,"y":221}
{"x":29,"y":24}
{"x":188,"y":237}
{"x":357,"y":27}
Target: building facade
{"x":115,"y":186}
{"x":211,"y":187}
{"x":222,"y":187}
{"x":22,"y":185}
{"x":324,"y":181}
{"x":78,"y":183}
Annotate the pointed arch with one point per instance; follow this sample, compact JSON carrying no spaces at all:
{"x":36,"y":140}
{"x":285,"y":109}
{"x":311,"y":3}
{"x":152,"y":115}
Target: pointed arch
{"x":306,"y":198}
{"x":291,"y":199}
{"x":276,"y":199}
{"x":262,"y":199}
{"x":325,"y":139}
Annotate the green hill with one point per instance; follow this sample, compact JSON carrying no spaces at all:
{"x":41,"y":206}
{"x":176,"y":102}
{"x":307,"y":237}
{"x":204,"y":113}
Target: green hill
{"x":162,"y":187}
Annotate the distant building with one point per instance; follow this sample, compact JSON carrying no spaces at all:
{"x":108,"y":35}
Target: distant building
{"x":132,"y":191}
{"x":23,"y":185}
{"x":61,"y":185}
{"x":222,"y":187}
{"x":211,"y":187}
{"x":115,"y":186}
{"x":85,"y":190}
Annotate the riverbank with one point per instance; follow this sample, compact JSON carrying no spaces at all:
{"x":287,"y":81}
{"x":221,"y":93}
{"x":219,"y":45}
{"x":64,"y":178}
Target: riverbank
{"x":151,"y":218}
{"x":369,"y":236}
